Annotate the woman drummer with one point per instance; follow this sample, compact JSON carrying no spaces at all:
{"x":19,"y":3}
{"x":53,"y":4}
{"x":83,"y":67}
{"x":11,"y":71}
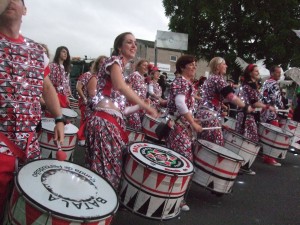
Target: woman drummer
{"x":106,"y":127}
{"x":246,"y":122}
{"x":137,"y":82}
{"x":215,"y":90}
{"x":180,"y":106}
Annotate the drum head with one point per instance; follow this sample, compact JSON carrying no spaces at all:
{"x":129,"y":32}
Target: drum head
{"x":50,"y":124}
{"x":161,"y":159}
{"x":69,"y":112}
{"x":276,"y":129}
{"x":66,"y":190}
{"x":220,"y":150}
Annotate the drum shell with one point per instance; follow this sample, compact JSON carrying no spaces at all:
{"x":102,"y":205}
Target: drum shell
{"x":293,"y":127}
{"x":73,"y":103}
{"x":229,"y":122}
{"x":70,"y":115}
{"x":274,"y":140}
{"x":134,"y":136}
{"x":48,"y":145}
{"x":213,"y":170}
{"x":149,"y":125}
{"x":242,"y":146}
{"x":152,"y":193}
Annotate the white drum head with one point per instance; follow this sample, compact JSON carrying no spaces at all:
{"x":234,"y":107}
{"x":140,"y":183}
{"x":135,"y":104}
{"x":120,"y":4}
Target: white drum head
{"x":275,"y":128}
{"x":161,"y":159}
{"x":220,"y":150}
{"x":69,"y":112}
{"x":67,"y":190}
{"x":50,"y":124}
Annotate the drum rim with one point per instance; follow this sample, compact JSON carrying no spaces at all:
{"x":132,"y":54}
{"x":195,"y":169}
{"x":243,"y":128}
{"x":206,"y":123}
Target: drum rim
{"x":59,"y":214}
{"x":66,"y":134}
{"x":284,"y":132}
{"x":68,"y":109}
{"x":158,"y":170}
{"x":240,"y":159}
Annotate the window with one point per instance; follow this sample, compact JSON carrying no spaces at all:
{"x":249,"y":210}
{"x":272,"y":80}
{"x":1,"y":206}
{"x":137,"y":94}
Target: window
{"x":173,"y":58}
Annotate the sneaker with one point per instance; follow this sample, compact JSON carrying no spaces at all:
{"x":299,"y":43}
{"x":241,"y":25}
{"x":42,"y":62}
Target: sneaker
{"x":184,"y":206}
{"x":81,"y":143}
{"x":248,"y":171}
{"x":271,"y":161}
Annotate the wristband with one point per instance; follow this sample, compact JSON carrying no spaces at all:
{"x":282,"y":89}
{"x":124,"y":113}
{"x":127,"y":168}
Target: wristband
{"x":60,"y":119}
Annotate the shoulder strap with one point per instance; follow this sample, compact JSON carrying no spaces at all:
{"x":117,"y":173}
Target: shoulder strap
{"x":13,"y":147}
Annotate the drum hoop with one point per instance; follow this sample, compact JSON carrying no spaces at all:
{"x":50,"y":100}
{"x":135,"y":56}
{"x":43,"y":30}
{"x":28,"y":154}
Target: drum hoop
{"x":225,"y":156}
{"x":157,"y":170}
{"x":58,"y":214}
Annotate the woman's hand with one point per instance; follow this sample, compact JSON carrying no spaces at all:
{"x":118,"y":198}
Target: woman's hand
{"x":197,"y":127}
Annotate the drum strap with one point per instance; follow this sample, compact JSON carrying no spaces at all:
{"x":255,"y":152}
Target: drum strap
{"x":113,"y":120}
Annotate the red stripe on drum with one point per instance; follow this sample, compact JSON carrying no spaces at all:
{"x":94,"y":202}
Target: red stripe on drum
{"x":275,"y":142}
{"x":215,"y":168}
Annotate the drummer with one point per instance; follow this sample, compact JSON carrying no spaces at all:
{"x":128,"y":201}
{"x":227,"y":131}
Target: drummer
{"x":106,"y":134}
{"x":215,"y":90}
{"x":246,"y":122}
{"x":271,"y":96}
{"x":180,"y":106}
{"x":137,"y":82}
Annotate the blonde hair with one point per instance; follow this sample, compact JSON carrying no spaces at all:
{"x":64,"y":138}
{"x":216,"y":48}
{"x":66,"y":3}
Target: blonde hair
{"x":96,"y":65}
{"x":213,"y":64}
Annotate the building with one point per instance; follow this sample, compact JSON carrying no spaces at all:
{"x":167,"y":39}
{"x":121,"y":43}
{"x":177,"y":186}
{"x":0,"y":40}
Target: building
{"x":166,"y":59}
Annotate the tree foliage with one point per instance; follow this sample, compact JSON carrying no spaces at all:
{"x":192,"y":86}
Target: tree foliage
{"x":250,"y":29}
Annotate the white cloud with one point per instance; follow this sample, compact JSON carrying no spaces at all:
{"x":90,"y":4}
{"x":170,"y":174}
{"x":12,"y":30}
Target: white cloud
{"x":89,"y":27}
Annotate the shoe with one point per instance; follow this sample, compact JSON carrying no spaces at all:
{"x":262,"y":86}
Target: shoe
{"x":184,"y":206}
{"x":248,"y":171}
{"x":271,"y":161}
{"x":81,"y":143}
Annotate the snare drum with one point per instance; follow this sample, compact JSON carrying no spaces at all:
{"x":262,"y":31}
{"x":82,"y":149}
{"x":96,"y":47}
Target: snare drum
{"x":46,"y":139}
{"x":149,"y":125}
{"x":134,"y":136}
{"x":155,"y":181}
{"x":274,"y":140}
{"x":52,"y":192}
{"x":70,"y":114}
{"x":73,"y":103}
{"x":215,"y":166}
{"x":242,"y":146}
{"x":229,"y":122}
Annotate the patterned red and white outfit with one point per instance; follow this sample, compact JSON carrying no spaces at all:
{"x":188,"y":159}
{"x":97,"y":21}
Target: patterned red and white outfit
{"x":250,"y":95}
{"x":271,"y":95}
{"x":137,"y":82}
{"x":84,"y":109}
{"x":211,"y":107}
{"x":180,"y":138}
{"x":22,"y":72}
{"x":106,"y":128}
{"x":157,"y":91}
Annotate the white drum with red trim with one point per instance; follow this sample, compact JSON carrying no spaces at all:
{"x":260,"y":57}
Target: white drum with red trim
{"x":155,"y":181}
{"x":215,"y":166}
{"x":274,"y":140}
{"x":242,"y":146}
{"x":149,"y":125}
{"x":73,"y":103}
{"x":48,"y":145}
{"x":52,"y":192}
{"x":229,"y":122}
{"x":293,"y":127}
{"x":134,"y":136}
{"x":69,"y":114}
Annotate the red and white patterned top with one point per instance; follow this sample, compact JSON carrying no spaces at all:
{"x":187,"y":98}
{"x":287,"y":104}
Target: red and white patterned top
{"x":137,"y":82}
{"x":84,"y":79}
{"x":60,"y":79}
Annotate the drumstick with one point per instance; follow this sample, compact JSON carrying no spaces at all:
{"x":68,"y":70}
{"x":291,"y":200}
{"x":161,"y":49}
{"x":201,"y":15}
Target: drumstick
{"x":211,"y":128}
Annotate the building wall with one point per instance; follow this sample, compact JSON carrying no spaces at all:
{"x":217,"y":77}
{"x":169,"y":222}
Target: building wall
{"x":145,"y":51}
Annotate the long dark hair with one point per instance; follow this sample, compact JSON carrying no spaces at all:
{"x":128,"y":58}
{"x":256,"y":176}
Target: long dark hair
{"x":67,"y":62}
{"x":119,"y":42}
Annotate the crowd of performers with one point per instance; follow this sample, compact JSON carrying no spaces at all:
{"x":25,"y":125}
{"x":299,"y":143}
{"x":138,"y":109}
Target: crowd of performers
{"x":109,"y":101}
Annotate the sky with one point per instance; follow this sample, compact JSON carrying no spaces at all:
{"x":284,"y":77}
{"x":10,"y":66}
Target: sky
{"x":89,"y":27}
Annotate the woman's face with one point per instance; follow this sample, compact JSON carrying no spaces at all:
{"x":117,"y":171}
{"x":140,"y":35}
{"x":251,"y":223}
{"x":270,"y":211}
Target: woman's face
{"x":189,"y":70}
{"x":143,"y":68}
{"x":222,"y":67}
{"x":128,"y":49}
{"x":156,"y":75}
{"x":63,"y":54}
{"x":254,"y":75}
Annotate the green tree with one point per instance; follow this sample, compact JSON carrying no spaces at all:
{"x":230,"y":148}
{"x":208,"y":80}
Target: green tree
{"x":250,"y":29}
